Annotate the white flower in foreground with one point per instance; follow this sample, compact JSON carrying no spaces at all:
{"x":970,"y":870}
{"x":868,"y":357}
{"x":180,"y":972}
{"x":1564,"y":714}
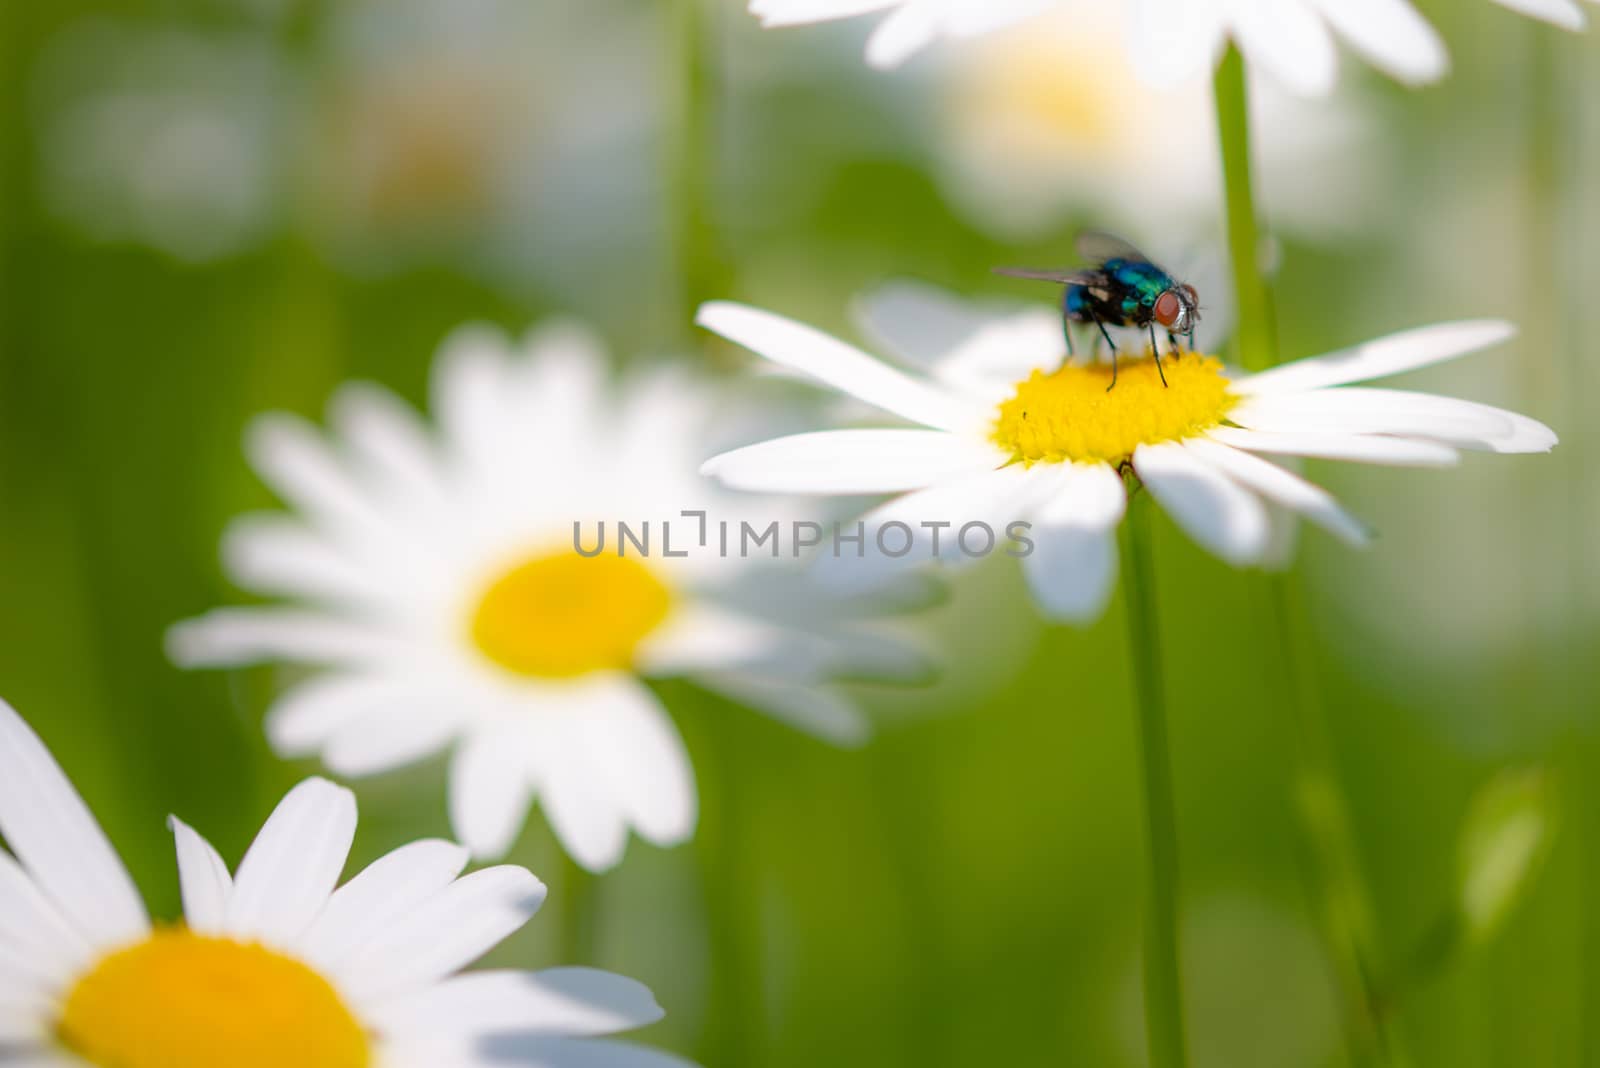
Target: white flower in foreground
{"x":1170,"y":41}
{"x":1009,"y":433}
{"x":1045,"y":121}
{"x":440,"y":585}
{"x":272,"y":965}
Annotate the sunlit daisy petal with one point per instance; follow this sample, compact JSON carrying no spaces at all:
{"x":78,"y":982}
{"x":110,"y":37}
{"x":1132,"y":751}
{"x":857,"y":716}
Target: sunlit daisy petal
{"x":501,"y":584}
{"x":1373,"y":449}
{"x":294,"y":864}
{"x":203,"y":877}
{"x":1214,"y":511}
{"x":1391,"y":355}
{"x":852,"y":461}
{"x":904,"y":33}
{"x":276,"y":966}
{"x":361,"y":911}
{"x":559,"y":1001}
{"x":1185,"y":428}
{"x":1282,"y":487}
{"x":62,"y":848}
{"x":1072,"y":570}
{"x":576,"y":1053}
{"x":834,"y":363}
{"x":800,"y":12}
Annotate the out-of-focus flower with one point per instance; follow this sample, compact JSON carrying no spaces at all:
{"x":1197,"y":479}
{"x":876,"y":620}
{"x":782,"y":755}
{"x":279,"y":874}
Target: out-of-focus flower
{"x":1046,"y":119}
{"x":273,"y":965}
{"x":447,"y":131}
{"x":1010,"y":434}
{"x":1171,"y":41}
{"x":414,"y":131}
{"x":166,"y":137}
{"x":441,"y":583}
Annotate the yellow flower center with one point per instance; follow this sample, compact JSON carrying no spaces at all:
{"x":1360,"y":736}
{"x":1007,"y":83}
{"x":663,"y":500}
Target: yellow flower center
{"x":182,"y":1000}
{"x":562,"y":615}
{"x":1068,"y":415}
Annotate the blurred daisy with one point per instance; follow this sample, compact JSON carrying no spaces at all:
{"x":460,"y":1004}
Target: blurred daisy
{"x":1564,"y":13}
{"x":1008,"y":432}
{"x":273,"y":965}
{"x":441,"y":585}
{"x":1045,"y":119}
{"x":1171,"y":41}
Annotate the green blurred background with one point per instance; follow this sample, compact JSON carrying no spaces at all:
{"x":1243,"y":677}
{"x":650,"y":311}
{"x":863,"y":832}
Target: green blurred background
{"x":213,"y":207}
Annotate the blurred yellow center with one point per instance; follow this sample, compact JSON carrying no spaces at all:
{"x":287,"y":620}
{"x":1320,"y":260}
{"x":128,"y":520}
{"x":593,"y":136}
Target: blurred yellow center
{"x":182,"y":1000}
{"x":1069,"y":415}
{"x":562,"y":615}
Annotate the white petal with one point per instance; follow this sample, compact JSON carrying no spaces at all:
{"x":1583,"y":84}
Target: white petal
{"x":203,"y":877}
{"x":928,"y":525}
{"x":305,"y":716}
{"x":1287,"y":40}
{"x":1356,"y":410}
{"x":384,"y":433}
{"x":1284,"y":487}
{"x":841,"y":366}
{"x":853,"y":461}
{"x":1215,"y":512}
{"x":470,"y":377}
{"x":1072,"y":569}
{"x":637,"y":750}
{"x":34,"y":934}
{"x":1367,"y":449}
{"x":1172,"y":41}
{"x":235,"y":637}
{"x":490,"y":790}
{"x":447,"y":932}
{"x":399,"y":733}
{"x":558,"y":1001}
{"x":293,"y":458}
{"x":53,"y":835}
{"x":906,"y":32}
{"x":1391,"y":35}
{"x":799,"y":12}
{"x":362,"y":911}
{"x":294,"y":863}
{"x":278,"y":555}
{"x":820,"y":712}
{"x":964,"y":345}
{"x":578,"y":802}
{"x":1385,"y":356}
{"x":1563,"y":13}
{"x":580,"y":1053}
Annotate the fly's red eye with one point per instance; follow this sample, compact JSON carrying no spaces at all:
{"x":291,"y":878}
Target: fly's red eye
{"x":1168,"y":308}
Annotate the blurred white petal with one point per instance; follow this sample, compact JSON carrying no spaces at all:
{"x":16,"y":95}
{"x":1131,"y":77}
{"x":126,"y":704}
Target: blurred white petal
{"x":853,"y":461}
{"x":1391,"y":35}
{"x":490,"y":789}
{"x":1072,"y":570}
{"x":1216,"y":513}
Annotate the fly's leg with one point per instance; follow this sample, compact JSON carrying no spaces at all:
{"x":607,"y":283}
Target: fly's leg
{"x":1066,"y":321}
{"x":1155,"y":354}
{"x":1107,"y":335}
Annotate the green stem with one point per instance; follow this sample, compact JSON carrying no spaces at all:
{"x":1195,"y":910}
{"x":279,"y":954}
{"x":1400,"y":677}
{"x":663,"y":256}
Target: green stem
{"x":1257,"y":347}
{"x":580,"y":910}
{"x":1342,"y":902}
{"x":1163,"y":998}
{"x":690,"y":166}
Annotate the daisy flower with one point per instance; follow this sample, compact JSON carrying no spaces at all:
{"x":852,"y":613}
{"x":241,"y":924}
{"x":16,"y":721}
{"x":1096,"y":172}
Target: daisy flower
{"x":1170,"y":41}
{"x":438,"y":579}
{"x":272,"y":965}
{"x":1045,"y":120}
{"x":1007,"y":434}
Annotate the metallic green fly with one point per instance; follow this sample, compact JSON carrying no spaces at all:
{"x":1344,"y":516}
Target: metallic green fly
{"x":1124,"y":289}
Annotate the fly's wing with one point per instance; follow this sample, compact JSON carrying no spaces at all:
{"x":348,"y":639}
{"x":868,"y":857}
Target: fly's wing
{"x":1099,"y":246}
{"x":1062,"y":277}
